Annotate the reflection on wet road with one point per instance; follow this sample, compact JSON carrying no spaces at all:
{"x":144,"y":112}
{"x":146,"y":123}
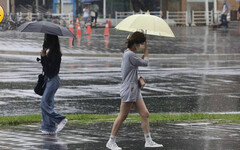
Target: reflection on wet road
{"x":195,"y":136}
{"x":190,"y":40}
{"x":91,"y":85}
{"x":198,"y":71}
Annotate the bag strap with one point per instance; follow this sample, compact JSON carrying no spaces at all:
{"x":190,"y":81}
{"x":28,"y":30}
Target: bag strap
{"x":39,"y":60}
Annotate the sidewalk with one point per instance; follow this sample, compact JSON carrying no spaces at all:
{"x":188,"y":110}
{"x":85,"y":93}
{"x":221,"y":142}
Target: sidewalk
{"x":196,"y":136}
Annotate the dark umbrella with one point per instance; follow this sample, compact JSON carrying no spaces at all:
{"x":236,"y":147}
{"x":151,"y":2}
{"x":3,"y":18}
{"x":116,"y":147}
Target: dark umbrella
{"x":45,"y":27}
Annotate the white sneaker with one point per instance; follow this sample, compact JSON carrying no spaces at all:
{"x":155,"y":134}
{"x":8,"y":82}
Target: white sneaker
{"x":61,"y":125}
{"x":113,"y":146}
{"x":48,"y":133}
{"x":153,"y":144}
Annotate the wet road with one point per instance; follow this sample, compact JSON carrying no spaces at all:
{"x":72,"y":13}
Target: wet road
{"x":196,"y":82}
{"x":91,"y":85}
{"x":190,"y":40}
{"x":198,"y":71}
{"x":195,"y":136}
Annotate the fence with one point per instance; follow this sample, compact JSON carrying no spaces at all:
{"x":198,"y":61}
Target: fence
{"x":121,"y":15}
{"x":199,"y":18}
{"x":179,"y":17}
{"x":174,"y":18}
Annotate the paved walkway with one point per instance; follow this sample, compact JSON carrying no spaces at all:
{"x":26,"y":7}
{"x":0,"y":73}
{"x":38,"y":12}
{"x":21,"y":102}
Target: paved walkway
{"x":195,"y":136}
{"x":207,"y":81}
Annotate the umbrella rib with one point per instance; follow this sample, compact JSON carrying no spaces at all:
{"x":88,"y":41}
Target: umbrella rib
{"x":25,"y":27}
{"x":134,"y":22}
{"x":139,"y":28}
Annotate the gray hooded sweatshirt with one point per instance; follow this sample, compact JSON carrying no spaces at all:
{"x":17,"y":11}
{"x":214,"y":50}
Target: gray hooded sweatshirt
{"x":130,"y":92}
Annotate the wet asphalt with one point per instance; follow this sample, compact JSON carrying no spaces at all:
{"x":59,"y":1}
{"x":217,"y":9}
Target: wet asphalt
{"x":198,"y":71}
{"x":199,"y":74}
{"x":185,"y":136}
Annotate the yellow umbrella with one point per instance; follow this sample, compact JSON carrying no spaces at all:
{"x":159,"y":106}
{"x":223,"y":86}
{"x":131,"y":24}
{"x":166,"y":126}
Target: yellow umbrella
{"x":149,"y":24}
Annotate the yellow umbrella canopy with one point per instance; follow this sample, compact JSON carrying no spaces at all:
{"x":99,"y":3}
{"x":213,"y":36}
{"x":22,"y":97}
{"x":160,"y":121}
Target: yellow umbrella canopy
{"x":149,"y":24}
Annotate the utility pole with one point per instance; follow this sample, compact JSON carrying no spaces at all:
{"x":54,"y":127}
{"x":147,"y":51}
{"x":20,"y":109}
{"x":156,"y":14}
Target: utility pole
{"x":104,"y":9}
{"x":77,"y":8}
{"x":215,"y":12}
{"x":8,"y":7}
{"x":36,"y":6}
{"x":206,"y":12}
{"x":61,"y":6}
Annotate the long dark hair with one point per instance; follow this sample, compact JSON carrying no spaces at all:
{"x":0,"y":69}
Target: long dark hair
{"x":51,"y":42}
{"x":135,"y":38}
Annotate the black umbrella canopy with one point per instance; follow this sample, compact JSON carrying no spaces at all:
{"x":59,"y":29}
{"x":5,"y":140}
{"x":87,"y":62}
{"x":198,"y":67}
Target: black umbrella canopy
{"x":45,"y":27}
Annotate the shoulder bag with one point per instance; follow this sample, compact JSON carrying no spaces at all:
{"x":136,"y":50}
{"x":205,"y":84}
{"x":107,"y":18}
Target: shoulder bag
{"x":141,"y":82}
{"x":41,"y":85}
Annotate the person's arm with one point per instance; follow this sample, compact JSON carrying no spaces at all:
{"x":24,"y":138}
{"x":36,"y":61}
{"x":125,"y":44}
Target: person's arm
{"x":137,"y":61}
{"x":50,"y":65}
{"x":43,"y":55}
{"x":146,"y":50}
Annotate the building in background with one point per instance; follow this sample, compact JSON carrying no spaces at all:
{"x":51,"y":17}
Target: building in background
{"x":108,"y":7}
{"x":159,"y":5}
{"x":8,"y":6}
{"x":68,"y":6}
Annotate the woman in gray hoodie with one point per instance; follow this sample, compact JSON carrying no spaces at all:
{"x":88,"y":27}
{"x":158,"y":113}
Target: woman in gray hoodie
{"x":130,"y":91}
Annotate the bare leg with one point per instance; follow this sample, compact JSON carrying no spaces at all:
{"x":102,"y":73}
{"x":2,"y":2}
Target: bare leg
{"x":143,"y":111}
{"x":124,"y":110}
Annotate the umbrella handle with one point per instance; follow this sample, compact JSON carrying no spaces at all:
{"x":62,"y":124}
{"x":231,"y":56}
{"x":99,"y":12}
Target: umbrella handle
{"x":38,"y":59}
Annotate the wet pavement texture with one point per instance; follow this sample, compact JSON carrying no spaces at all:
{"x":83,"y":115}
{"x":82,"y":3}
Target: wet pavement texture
{"x":197,"y":82}
{"x":184,"y":136}
{"x":189,"y":40}
{"x":91,"y":85}
{"x":198,"y":71}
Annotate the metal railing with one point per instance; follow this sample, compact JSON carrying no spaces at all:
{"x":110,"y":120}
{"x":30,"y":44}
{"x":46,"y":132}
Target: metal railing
{"x":122,"y":15}
{"x":199,"y":18}
{"x":179,"y":17}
